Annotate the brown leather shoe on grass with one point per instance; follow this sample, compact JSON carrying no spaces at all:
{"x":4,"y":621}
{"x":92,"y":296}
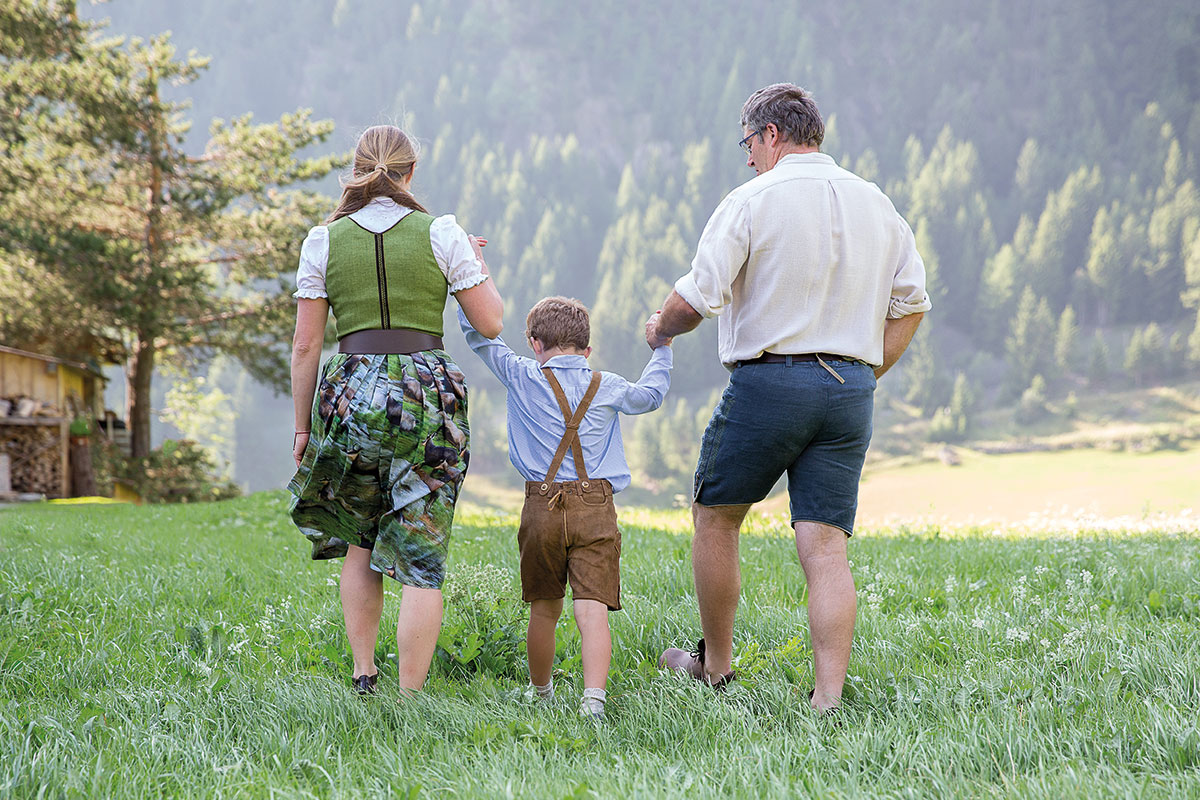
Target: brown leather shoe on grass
{"x":364,"y":685}
{"x":692,"y":665}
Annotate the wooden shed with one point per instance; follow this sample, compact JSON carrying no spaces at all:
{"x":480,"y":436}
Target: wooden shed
{"x":40,"y":395}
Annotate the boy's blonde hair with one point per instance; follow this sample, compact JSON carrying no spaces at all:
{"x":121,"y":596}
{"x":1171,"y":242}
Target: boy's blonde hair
{"x":559,"y":322}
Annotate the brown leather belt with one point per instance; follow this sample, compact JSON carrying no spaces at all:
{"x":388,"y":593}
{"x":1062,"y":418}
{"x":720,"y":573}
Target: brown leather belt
{"x":395,"y":340}
{"x":777,"y":358}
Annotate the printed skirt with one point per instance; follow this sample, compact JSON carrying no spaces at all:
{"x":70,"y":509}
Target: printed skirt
{"x":385,"y":462}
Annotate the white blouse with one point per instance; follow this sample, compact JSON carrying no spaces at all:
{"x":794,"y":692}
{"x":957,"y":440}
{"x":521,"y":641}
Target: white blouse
{"x":451,"y":249}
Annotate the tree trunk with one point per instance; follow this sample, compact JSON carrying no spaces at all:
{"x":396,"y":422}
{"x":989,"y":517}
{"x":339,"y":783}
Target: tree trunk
{"x":138,"y":374}
{"x":140,"y":371}
{"x":83,"y":481}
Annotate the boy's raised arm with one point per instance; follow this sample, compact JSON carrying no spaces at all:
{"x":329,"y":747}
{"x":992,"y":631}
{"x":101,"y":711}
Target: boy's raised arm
{"x":497,"y":355}
{"x":651,"y":388}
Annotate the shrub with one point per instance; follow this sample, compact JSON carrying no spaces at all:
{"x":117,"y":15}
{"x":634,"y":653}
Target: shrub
{"x":484,"y":628}
{"x":946,"y":427}
{"x":1033,"y":402}
{"x":177,"y":472}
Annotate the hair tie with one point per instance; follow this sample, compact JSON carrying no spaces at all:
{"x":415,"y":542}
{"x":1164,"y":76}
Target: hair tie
{"x":380,"y":166}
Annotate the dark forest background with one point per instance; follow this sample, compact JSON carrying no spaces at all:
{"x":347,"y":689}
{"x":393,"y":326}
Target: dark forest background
{"x":1045,"y":154}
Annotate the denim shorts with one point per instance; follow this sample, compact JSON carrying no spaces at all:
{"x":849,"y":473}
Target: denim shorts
{"x":794,"y":418}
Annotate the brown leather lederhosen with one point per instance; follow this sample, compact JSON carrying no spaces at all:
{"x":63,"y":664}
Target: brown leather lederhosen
{"x":569,"y":528}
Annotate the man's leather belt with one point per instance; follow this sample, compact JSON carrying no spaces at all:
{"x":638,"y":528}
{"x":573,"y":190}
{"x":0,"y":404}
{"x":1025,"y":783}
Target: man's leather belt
{"x":395,"y":340}
{"x":777,"y":358}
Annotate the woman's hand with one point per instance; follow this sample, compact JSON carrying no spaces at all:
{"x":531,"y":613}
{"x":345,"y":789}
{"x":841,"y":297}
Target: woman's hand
{"x":299,"y":443}
{"x":311,"y":315}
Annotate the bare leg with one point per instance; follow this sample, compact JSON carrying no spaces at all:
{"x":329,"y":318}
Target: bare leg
{"x":592,"y":618}
{"x":539,"y":639}
{"x":832,"y":606}
{"x":361,"y":591}
{"x":417,"y":633}
{"x":718,"y":577}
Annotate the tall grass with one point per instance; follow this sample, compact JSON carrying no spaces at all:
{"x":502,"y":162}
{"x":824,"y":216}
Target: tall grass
{"x":197,"y":652}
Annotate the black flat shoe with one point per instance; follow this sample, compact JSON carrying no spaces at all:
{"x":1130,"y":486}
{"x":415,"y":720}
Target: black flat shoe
{"x":365,"y":684}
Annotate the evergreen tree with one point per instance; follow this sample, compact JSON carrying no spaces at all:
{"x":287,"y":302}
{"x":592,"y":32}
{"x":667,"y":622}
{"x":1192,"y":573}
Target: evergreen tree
{"x":186,"y":256}
{"x":945,"y":204}
{"x":1098,"y":360}
{"x":1030,"y":344}
{"x":58,"y":107}
{"x":1194,"y":340}
{"x":1033,"y":407}
{"x":1060,"y":242}
{"x":952,"y":423}
{"x":1171,"y":228}
{"x":1064,"y":340}
{"x":1030,"y":179}
{"x":1191,"y":296}
{"x":1106,"y":264}
{"x":1146,"y":356}
{"x":923,"y":376}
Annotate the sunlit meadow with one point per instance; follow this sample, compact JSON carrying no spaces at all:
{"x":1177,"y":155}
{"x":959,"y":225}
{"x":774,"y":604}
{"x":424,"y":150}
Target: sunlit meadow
{"x":196,"y":651}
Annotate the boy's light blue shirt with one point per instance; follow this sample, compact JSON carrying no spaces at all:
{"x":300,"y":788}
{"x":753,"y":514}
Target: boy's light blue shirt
{"x":535,"y":422}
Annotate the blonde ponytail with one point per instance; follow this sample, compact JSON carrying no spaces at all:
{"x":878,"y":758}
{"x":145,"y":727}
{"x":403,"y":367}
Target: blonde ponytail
{"x":383,"y":157}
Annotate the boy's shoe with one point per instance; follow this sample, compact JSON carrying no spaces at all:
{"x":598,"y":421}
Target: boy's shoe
{"x":591,"y":705}
{"x":594,"y":716}
{"x":692,"y":665}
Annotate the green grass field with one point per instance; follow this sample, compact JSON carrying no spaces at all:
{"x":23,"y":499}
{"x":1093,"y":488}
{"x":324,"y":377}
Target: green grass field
{"x":197,"y":652}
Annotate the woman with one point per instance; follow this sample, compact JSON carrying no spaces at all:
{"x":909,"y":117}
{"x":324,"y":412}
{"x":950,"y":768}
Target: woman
{"x":381,"y":459}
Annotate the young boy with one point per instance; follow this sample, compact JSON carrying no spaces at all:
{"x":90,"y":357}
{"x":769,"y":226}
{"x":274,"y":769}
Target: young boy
{"x":568,"y":533}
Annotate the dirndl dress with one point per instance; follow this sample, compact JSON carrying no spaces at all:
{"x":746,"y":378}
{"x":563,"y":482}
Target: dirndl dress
{"x":385,"y":461}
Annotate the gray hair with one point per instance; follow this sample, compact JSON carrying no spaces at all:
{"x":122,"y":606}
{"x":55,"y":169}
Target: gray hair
{"x":791,"y":109}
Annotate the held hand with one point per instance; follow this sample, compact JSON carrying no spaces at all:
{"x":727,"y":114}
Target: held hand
{"x":477,"y":244}
{"x":299,"y":443}
{"x":653,"y":338}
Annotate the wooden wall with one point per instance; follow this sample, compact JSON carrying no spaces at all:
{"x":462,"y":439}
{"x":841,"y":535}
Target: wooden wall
{"x":39,"y":445}
{"x":31,"y":377}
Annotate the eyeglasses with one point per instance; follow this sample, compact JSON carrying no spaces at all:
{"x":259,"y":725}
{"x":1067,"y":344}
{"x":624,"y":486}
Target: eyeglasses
{"x":745,"y":143}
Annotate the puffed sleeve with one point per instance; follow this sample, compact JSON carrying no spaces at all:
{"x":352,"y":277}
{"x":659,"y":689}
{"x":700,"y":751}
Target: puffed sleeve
{"x":454,"y":254}
{"x":908,"y":282}
{"x":314,"y":258}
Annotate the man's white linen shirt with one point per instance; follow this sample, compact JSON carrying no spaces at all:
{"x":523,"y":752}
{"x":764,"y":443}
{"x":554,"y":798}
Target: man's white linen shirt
{"x":451,"y":248}
{"x":805,"y":258}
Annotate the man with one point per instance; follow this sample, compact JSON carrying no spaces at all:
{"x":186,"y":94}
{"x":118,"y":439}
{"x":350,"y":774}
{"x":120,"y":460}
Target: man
{"x":819,"y":289}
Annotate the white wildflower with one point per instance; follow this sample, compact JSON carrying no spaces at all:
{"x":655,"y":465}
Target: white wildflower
{"x":1016,"y":634}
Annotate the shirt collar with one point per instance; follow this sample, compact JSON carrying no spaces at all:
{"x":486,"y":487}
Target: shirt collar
{"x":806,"y":158}
{"x":567,"y":361}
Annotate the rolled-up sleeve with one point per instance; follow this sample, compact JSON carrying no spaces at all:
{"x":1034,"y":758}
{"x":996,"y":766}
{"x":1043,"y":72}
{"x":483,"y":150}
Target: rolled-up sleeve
{"x":908,"y":284}
{"x":722,"y":253}
{"x":454,"y":254}
{"x":314,"y":259}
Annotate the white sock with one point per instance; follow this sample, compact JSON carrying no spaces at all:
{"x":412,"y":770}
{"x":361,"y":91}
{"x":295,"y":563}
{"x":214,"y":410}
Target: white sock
{"x":545,"y":692}
{"x":593,"y":701}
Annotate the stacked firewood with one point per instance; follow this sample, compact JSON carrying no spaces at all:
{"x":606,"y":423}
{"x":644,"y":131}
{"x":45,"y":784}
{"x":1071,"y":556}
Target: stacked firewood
{"x":35,"y":458}
{"x":21,"y":406}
